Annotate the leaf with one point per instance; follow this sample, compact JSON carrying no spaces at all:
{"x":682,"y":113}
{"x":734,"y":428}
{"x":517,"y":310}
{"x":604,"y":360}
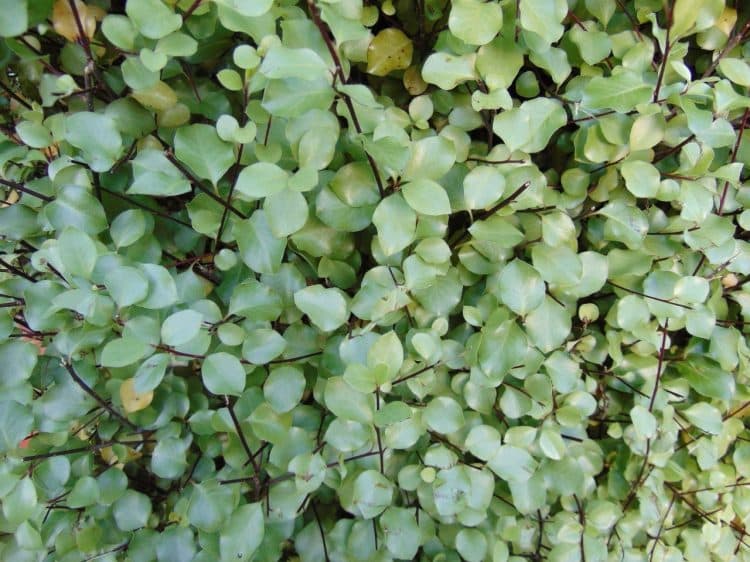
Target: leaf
{"x":544,"y":17}
{"x":284,"y":387}
{"x":475,"y":22}
{"x":96,"y":136}
{"x":483,"y":186}
{"x":65,"y":21}
{"x":444,"y":415}
{"x":548,"y":325}
{"x":530,"y":126}
{"x":326,"y":308}
{"x":16,"y":422}
{"x":126,"y":285}
{"x":621,"y":92}
{"x":426,"y":197}
{"x":131,"y":511}
{"x":132,"y":400}
{"x":512,"y":464}
{"x":371,"y":494}
{"x":292,"y":97}
{"x":152,"y":18}
{"x":396,"y":223}
{"x":448,"y":71}
{"x":200,"y":147}
{"x":737,"y":70}
{"x":123,"y":351}
{"x":641,"y":178}
{"x":129,"y":226}
{"x":389,"y":50}
{"x":78,"y":252}
{"x":520,"y":287}
{"x":261,"y":180}
{"x":704,"y":416}
{"x":150,"y":373}
{"x":348,"y":404}
{"x":401,"y":530}
{"x":286,"y":212}
{"x":259,"y":248}
{"x":707,"y":378}
{"x":181,"y":327}
{"x":222,"y":373}
{"x":14,"y":18}
{"x":283,"y":62}
{"x":154,"y":174}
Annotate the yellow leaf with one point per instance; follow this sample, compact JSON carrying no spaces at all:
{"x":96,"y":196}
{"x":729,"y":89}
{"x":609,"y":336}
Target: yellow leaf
{"x":158,"y":97}
{"x":64,"y":20}
{"x":413,"y":81}
{"x":131,"y":400}
{"x":388,"y":51}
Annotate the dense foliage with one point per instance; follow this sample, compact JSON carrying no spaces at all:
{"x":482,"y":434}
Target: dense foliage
{"x":333,"y":280}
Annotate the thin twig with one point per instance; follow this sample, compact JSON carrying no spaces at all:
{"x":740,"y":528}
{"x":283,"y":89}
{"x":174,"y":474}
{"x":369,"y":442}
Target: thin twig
{"x":103,"y":403}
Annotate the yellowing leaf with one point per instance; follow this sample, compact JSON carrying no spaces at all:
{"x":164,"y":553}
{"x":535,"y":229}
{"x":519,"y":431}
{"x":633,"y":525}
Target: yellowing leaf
{"x":159,"y":97}
{"x":131,"y":400}
{"x":64,"y":20}
{"x":390,"y":50}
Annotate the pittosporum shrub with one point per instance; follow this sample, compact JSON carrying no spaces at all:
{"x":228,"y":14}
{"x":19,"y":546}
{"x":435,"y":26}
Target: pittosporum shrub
{"x":337,"y":280}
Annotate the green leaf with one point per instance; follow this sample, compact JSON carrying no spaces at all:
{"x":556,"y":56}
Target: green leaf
{"x":126,"y":285}
{"x":396,"y":223}
{"x":707,"y":378}
{"x":292,"y":97}
{"x":162,"y":290}
{"x":530,"y":126}
{"x":200,"y":147}
{"x":259,"y":248}
{"x":475,"y":22}
{"x":21,"y":503}
{"x":181,"y":327}
{"x":131,"y":511}
{"x":123,"y":351}
{"x":96,"y":136}
{"x":286,"y":212}
{"x":512,"y":464}
{"x":520,"y":287}
{"x":284,"y":387}
{"x":150,"y":373}
{"x":13,"y":17}
{"x":263,"y":345}
{"x":326,"y":308}
{"x":75,"y":206}
{"x":261,"y":180}
{"x":737,"y":70}
{"x":444,"y":415}
{"x":483,"y":186}
{"x":448,"y":71}
{"x":641,"y":178}
{"x":154,"y":174}
{"x":621,"y":92}
{"x":16,"y":422}
{"x":544,"y":17}
{"x":152,"y":18}
{"x":372,"y":494}
{"x":210,"y":506}
{"x":78,"y":252}
{"x":426,"y":197}
{"x":401,"y":530}
{"x":348,"y":404}
{"x":222,"y":373}
{"x":548,"y":325}
{"x":704,"y":416}
{"x":129,"y":226}
{"x":283,"y":62}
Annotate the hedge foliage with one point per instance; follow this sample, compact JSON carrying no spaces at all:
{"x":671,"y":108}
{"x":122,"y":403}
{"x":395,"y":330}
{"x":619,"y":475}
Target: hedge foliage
{"x":335,"y":280}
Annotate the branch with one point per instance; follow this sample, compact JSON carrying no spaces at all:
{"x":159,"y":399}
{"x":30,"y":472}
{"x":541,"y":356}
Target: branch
{"x":103,"y":403}
{"x":89,"y":448}
{"x":23,"y":189}
{"x":196,"y":182}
